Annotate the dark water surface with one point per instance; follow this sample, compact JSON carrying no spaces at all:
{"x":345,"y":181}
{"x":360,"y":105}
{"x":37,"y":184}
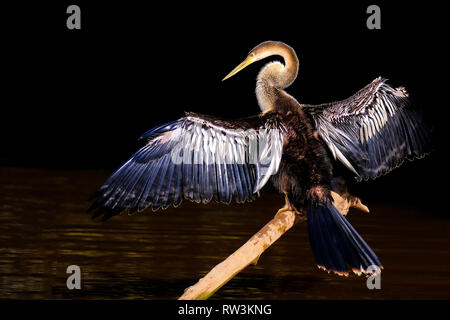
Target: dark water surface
{"x":44,"y":228}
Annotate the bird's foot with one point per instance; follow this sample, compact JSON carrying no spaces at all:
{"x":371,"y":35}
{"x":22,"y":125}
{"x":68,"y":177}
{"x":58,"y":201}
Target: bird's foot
{"x":290,"y":208}
{"x":342,"y":199}
{"x":299,"y":216}
{"x":346,"y":201}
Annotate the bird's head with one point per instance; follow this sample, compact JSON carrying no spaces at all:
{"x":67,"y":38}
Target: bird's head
{"x":261,"y":51}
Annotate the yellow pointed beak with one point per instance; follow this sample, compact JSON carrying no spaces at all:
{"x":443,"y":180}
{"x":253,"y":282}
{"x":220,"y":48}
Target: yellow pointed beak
{"x":241,"y":66}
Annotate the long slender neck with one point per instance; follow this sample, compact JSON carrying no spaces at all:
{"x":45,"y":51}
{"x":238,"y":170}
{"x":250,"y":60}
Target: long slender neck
{"x":275,"y":76}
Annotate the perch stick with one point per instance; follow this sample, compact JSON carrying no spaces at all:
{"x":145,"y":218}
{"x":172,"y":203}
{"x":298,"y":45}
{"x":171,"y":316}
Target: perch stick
{"x":247,"y":254}
{"x":250,"y":252}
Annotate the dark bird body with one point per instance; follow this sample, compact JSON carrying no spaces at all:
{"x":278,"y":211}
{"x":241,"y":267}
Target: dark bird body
{"x":305,"y":169}
{"x":201,"y":158}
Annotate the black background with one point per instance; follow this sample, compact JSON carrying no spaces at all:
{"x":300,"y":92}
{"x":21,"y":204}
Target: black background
{"x":79,"y":99}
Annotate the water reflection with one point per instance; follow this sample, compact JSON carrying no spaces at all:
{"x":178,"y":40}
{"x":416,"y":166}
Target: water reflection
{"x":44,"y":228}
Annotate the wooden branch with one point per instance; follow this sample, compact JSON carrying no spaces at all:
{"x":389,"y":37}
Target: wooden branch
{"x":249,"y":253}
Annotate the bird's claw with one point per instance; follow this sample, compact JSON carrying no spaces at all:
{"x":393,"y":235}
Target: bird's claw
{"x":345,"y":202}
{"x":342,"y":199}
{"x":290,"y":208}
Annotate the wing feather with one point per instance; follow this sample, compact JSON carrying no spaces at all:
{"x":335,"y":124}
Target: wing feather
{"x":373,"y":131}
{"x":199,"y":158}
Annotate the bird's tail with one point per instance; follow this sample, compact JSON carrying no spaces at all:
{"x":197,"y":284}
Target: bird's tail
{"x":336,"y":245}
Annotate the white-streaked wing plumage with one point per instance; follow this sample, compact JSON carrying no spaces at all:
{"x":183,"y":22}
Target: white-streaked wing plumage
{"x":373,"y":131}
{"x":198,"y":158}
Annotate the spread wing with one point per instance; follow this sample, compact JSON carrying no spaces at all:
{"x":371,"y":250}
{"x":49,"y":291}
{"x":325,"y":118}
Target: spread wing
{"x":199,"y":158}
{"x":373,"y":131}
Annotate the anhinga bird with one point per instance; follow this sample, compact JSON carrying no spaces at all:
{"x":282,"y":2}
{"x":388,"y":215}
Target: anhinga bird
{"x":201,"y":158}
